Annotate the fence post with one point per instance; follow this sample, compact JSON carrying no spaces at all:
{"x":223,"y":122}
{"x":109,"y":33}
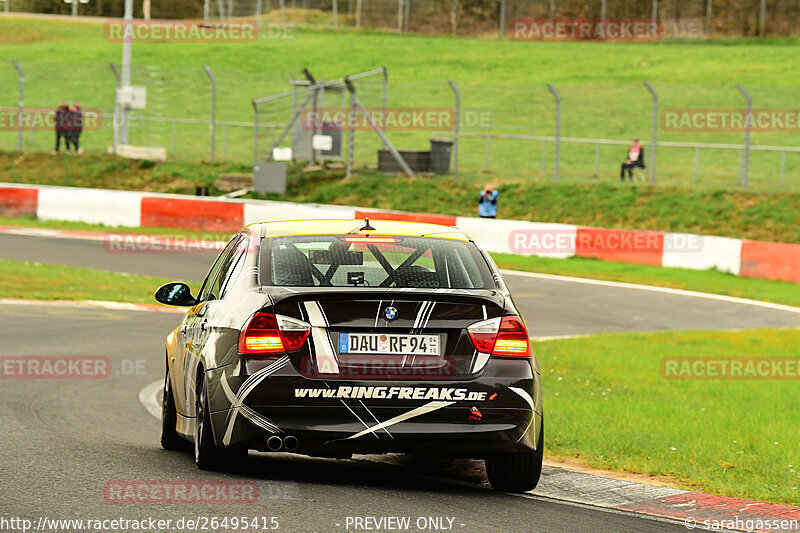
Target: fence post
{"x":116,"y":106}
{"x":456,"y":126}
{"x":282,"y":7}
{"x":407,"y":18}
{"x":212,"y":124}
{"x":385,"y":97}
{"x":603,"y":10}
{"x":708,"y":18}
{"x":502,"y":18}
{"x":454,"y":20}
{"x":762,"y":18}
{"x":654,"y":14}
{"x":351,"y":136}
{"x":748,"y":123}
{"x":400,"y":16}
{"x":359,"y":8}
{"x":558,"y":130}
{"x":206,"y":9}
{"x":21,"y":102}
{"x":654,"y":137}
{"x":552,"y":10}
{"x":596,"y":160}
{"x":783,"y":168}
{"x":6,"y":8}
{"x":255,"y":135}
{"x":127,"y":44}
{"x":335,"y":13}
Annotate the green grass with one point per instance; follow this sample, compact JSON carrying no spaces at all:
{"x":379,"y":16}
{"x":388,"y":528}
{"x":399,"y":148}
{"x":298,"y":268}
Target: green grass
{"x":607,"y":405}
{"x":42,"y":281}
{"x":711,"y":281}
{"x":600,"y":84}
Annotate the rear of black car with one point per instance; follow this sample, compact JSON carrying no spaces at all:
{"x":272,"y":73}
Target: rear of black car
{"x":388,"y":343}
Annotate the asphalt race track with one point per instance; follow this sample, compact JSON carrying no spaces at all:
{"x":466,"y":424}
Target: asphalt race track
{"x":63,"y":440}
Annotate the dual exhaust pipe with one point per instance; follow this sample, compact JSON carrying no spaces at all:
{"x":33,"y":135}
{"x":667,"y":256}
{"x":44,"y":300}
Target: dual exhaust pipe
{"x":288,"y":443}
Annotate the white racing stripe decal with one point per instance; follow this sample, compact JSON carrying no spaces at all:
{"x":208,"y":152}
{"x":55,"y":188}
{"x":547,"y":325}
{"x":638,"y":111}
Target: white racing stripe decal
{"x":378,"y":313}
{"x":420,"y":313}
{"x":428,"y":315}
{"x":248,"y":385}
{"x":359,"y":419}
{"x":525,"y":396}
{"x":323,"y":349}
{"x":480,"y":361}
{"x":424,"y":409}
{"x":374,"y":417}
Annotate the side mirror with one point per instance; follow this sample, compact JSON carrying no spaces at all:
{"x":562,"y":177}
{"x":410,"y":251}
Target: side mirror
{"x":175,"y":293}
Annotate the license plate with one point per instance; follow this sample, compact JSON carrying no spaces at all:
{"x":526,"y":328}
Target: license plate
{"x":385,"y":343}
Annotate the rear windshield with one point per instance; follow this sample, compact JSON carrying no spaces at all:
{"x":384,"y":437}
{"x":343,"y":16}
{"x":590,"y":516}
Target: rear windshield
{"x":374,"y":261}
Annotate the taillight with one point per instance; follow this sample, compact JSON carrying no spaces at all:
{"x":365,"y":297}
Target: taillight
{"x":506,"y":337}
{"x":483,"y":334}
{"x":512,"y":341}
{"x":266,"y":334}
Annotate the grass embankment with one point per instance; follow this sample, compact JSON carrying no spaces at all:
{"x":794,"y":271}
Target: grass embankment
{"x":607,"y":404}
{"x":760,"y":216}
{"x":502,"y":81}
{"x":42,"y":281}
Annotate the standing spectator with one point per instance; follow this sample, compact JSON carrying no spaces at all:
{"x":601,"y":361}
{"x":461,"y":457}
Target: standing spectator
{"x":75,"y":127}
{"x":635,"y":159}
{"x":487,"y":202}
{"x":61,"y":127}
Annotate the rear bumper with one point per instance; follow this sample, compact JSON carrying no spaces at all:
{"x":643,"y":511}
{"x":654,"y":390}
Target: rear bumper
{"x":499,"y":411}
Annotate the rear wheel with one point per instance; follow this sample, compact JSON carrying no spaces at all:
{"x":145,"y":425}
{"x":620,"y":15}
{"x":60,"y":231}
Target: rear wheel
{"x":516,"y":472}
{"x":207,"y":455}
{"x":170,"y":439}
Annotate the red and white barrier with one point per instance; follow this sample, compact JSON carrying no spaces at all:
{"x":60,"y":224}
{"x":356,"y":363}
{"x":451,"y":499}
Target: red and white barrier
{"x":756,"y":259}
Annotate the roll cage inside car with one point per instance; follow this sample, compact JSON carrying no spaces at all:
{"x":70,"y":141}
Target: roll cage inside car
{"x":339,"y":254}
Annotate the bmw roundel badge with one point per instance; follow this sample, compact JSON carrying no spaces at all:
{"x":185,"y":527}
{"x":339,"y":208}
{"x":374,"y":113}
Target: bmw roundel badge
{"x":390,"y":313}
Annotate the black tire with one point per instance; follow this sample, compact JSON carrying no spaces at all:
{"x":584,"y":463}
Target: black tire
{"x":207,"y":455}
{"x":516,"y":472}
{"x":170,"y":439}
